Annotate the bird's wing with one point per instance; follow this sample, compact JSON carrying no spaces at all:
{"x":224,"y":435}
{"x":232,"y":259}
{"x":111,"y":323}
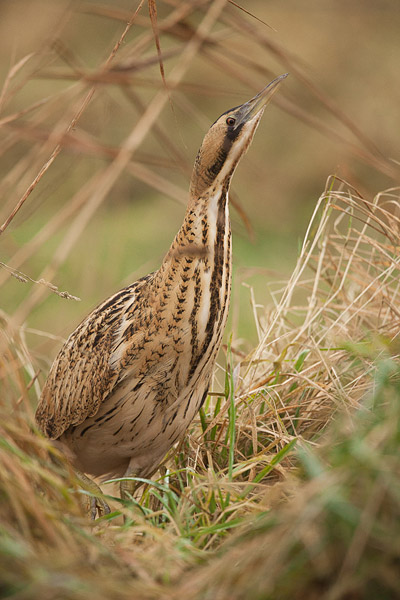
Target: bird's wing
{"x":81,"y":376}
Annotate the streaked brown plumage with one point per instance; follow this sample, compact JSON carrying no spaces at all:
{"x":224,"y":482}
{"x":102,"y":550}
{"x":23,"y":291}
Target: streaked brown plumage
{"x":131,"y":377}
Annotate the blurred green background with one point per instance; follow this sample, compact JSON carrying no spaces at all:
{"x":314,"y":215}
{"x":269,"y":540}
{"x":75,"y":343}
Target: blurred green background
{"x":349,"y":51}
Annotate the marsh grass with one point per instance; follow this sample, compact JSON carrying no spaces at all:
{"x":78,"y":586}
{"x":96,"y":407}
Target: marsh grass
{"x":285,"y":484}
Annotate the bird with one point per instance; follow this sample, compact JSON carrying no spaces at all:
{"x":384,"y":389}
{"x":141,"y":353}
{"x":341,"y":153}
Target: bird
{"x":131,"y":377}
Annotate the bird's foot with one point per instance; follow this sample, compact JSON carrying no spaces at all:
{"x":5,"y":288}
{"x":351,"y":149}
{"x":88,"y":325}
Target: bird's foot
{"x":98,"y":506}
{"x":93,"y":504}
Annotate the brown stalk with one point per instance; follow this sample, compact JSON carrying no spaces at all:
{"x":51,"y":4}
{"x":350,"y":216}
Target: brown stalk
{"x":57,"y":149}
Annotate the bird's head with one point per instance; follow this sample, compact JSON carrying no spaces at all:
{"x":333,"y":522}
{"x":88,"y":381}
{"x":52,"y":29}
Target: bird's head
{"x":227,"y":141}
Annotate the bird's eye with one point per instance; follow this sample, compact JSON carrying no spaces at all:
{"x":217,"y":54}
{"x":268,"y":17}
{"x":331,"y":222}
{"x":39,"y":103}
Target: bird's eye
{"x":230,"y":121}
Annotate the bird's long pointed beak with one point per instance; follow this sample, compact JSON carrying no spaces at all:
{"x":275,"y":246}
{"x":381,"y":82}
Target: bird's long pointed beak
{"x":249,"y":109}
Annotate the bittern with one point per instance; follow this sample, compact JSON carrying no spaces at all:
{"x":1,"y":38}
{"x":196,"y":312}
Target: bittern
{"x":131,"y":377}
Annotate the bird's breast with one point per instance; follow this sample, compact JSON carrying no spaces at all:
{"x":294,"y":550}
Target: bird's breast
{"x":183,"y":316}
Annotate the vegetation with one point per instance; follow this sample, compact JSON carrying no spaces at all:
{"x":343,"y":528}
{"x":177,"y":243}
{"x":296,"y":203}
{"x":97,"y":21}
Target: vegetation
{"x":287,"y":483}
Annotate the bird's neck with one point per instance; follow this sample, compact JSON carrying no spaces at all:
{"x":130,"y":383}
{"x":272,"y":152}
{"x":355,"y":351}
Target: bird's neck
{"x":194,"y":283}
{"x":205,"y":232}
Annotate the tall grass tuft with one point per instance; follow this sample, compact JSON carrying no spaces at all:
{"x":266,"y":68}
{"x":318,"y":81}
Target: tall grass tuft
{"x":338,"y":535}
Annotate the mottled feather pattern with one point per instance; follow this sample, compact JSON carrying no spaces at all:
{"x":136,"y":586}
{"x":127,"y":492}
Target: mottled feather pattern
{"x":81,"y":375}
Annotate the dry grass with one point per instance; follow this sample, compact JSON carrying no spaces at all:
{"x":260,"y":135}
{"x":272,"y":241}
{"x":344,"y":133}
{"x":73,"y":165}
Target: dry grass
{"x":291,"y":432}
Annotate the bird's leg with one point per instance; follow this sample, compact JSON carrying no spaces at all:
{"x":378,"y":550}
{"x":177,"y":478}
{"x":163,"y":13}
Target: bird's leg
{"x":127,"y":487}
{"x":96,"y":502}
